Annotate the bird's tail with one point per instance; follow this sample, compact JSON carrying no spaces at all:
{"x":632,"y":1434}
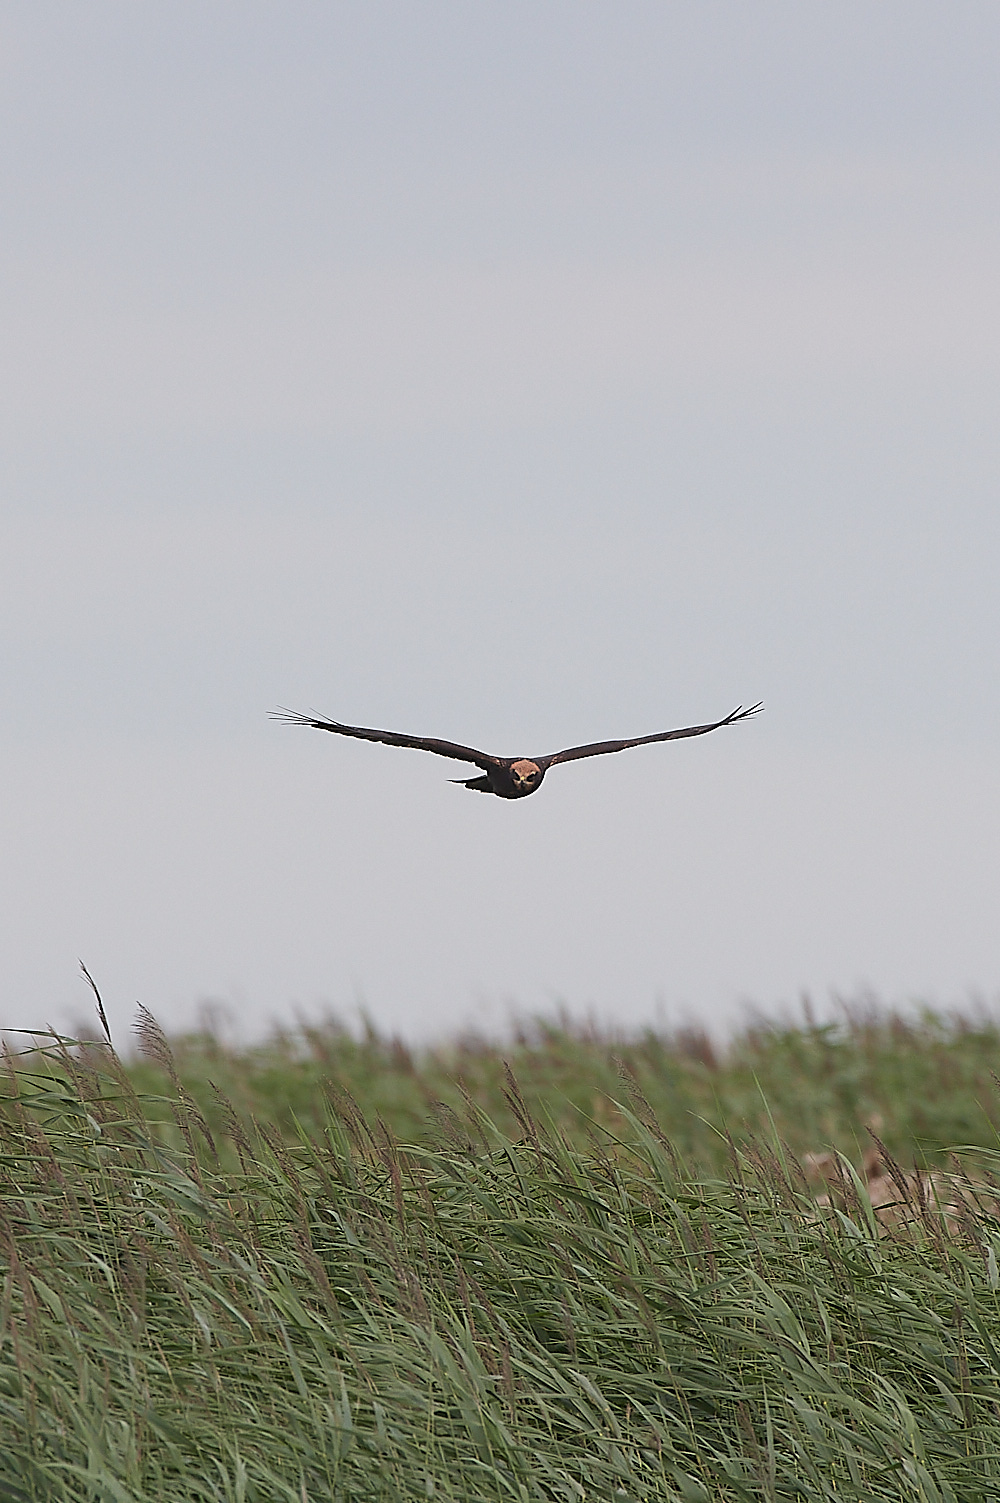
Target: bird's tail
{"x":481,"y":785}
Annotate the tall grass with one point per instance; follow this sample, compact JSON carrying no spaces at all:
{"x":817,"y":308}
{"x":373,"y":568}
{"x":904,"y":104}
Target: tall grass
{"x":214,"y":1309}
{"x":924,"y":1082}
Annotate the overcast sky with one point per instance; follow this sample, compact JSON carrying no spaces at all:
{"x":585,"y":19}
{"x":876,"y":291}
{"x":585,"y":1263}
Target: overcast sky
{"x":520,"y":374}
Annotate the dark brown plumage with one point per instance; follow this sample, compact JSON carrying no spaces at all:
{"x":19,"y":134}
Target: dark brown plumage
{"x":507,"y":777}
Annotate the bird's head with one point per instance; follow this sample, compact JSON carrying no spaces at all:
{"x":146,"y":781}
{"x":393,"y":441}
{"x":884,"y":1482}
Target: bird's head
{"x":525,"y":776}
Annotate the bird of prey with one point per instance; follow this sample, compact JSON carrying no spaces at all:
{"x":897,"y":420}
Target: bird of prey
{"x":507,"y":777}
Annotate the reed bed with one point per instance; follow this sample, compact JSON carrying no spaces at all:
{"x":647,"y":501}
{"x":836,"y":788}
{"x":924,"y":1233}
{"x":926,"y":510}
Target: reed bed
{"x":923,"y":1082}
{"x":220,"y":1310}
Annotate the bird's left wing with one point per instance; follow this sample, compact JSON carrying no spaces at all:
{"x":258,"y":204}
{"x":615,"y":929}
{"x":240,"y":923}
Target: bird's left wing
{"x":392,"y":738}
{"x":599,"y":748}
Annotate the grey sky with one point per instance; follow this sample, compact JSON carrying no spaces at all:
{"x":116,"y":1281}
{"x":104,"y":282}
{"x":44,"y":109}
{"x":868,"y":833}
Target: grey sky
{"x":524,"y":375}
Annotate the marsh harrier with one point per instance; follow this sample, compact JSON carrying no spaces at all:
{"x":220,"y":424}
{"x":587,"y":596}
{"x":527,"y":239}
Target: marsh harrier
{"x":507,"y":777}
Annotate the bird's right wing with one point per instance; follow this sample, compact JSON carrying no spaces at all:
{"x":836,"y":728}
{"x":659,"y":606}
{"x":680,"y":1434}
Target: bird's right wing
{"x":393,"y":738}
{"x":601,"y":748}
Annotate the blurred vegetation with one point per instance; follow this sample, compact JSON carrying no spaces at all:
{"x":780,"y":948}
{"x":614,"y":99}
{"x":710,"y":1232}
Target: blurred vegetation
{"x":923,"y":1082}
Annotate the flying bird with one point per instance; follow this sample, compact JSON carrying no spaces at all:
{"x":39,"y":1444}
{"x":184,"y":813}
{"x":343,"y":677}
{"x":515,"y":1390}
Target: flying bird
{"x":507,"y":777}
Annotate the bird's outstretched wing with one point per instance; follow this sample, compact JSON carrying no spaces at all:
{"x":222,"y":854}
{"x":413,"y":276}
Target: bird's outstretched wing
{"x":598,"y":748}
{"x":393,"y":738}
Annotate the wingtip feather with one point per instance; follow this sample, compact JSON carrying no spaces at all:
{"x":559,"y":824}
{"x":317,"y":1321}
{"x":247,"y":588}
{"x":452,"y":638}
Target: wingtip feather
{"x":290,"y":717}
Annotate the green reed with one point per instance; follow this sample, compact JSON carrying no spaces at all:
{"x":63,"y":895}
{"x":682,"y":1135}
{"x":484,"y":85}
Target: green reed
{"x":210,"y":1308}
